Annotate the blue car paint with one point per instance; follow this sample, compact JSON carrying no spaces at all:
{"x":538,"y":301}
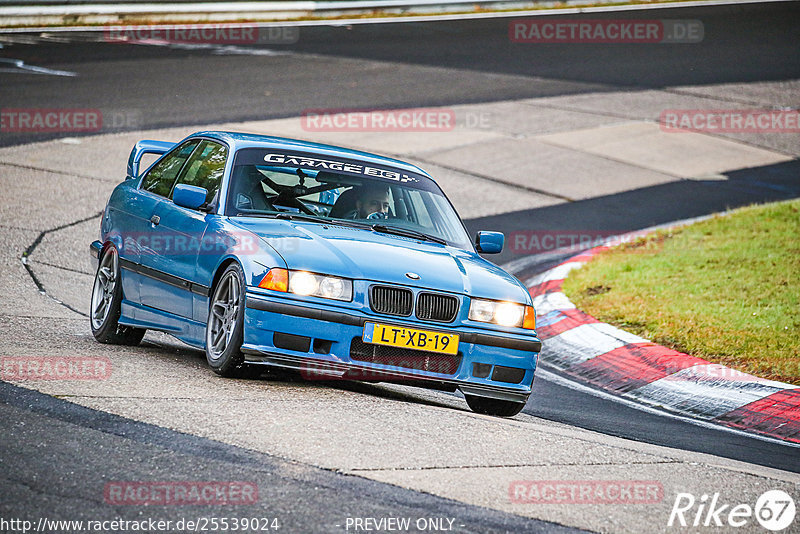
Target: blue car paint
{"x":178,"y":303}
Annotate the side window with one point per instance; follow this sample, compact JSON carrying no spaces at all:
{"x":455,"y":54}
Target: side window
{"x":205,"y":168}
{"x":161,"y":177}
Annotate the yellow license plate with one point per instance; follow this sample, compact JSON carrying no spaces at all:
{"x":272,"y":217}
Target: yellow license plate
{"x":410,"y":338}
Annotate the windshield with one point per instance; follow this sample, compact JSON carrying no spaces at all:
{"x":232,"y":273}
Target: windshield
{"x":265,"y":183}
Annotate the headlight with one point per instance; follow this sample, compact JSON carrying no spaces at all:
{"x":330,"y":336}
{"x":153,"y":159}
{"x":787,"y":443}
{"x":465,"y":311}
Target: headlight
{"x":303,"y":283}
{"x":502,"y":313}
{"x":310,"y":284}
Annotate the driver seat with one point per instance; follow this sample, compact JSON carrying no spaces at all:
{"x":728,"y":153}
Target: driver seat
{"x":344,"y":204}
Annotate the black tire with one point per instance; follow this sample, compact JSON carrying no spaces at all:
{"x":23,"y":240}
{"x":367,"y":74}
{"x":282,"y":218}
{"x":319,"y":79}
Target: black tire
{"x":229,"y":361}
{"x":104,"y":309}
{"x":496,"y":407}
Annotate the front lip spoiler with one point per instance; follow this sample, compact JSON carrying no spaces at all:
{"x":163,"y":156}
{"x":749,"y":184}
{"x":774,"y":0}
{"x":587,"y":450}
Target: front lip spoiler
{"x":336,"y":370}
{"x":355,"y":320}
{"x":95,"y":248}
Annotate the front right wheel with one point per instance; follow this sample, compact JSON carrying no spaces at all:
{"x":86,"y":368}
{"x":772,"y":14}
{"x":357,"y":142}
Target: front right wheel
{"x":224,"y":330}
{"x":496,"y":407}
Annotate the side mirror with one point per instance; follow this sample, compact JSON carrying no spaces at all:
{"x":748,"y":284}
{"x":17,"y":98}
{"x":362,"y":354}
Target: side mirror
{"x":189,"y":196}
{"x":489,"y":242}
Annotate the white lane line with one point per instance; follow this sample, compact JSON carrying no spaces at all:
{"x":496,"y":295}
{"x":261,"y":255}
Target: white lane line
{"x":561,"y":381}
{"x":219,"y":49}
{"x":20,"y":67}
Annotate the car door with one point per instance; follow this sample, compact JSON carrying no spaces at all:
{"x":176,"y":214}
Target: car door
{"x":183,"y":231}
{"x":123,"y":223}
{"x":153,"y":249}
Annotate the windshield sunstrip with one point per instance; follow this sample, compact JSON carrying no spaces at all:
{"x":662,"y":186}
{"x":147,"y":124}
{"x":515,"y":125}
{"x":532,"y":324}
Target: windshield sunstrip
{"x":318,"y":162}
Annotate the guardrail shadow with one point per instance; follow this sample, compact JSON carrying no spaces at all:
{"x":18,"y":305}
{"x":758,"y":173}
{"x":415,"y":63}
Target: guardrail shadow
{"x":742,"y":43}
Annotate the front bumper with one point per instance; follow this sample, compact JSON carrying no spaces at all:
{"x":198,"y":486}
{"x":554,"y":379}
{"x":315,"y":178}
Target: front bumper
{"x":317,"y":341}
{"x":94,"y":251}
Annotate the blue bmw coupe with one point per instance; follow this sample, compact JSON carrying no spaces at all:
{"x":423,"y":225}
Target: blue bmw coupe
{"x":266,"y":251}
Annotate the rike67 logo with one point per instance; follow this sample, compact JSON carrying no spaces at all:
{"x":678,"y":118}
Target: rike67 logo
{"x":774,"y":510}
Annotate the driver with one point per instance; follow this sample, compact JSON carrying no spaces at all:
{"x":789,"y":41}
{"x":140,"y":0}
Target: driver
{"x":372,"y":202}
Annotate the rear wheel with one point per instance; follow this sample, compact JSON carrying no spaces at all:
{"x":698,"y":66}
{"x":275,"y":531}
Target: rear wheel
{"x":106,"y":304}
{"x":496,"y":407}
{"x":224,"y":330}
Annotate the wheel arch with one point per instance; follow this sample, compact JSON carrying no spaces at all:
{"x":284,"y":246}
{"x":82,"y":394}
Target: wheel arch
{"x":224,"y":264}
{"x":110,"y":241}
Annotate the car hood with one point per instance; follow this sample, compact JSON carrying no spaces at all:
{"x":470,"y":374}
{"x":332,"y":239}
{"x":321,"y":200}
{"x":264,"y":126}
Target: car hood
{"x":364,"y":254}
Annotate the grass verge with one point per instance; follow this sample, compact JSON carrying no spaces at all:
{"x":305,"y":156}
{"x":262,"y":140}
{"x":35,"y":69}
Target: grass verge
{"x":726,"y":290}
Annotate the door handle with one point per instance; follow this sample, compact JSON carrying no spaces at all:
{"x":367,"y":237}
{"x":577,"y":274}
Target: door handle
{"x":155,"y":219}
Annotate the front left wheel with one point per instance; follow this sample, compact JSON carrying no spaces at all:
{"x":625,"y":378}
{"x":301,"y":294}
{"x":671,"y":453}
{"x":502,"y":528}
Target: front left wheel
{"x":106,"y":304}
{"x":224,"y":330}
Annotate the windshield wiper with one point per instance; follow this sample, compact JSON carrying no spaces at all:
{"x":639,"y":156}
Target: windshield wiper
{"x":396,"y":230}
{"x":299,"y":217}
{"x":407,"y":232}
{"x":286,"y":216}
{"x":318,"y":219}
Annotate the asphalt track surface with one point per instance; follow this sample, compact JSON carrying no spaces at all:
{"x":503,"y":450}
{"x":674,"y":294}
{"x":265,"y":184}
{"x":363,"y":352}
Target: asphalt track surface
{"x":302,"y":498}
{"x":429,"y":64}
{"x":432,"y":64}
